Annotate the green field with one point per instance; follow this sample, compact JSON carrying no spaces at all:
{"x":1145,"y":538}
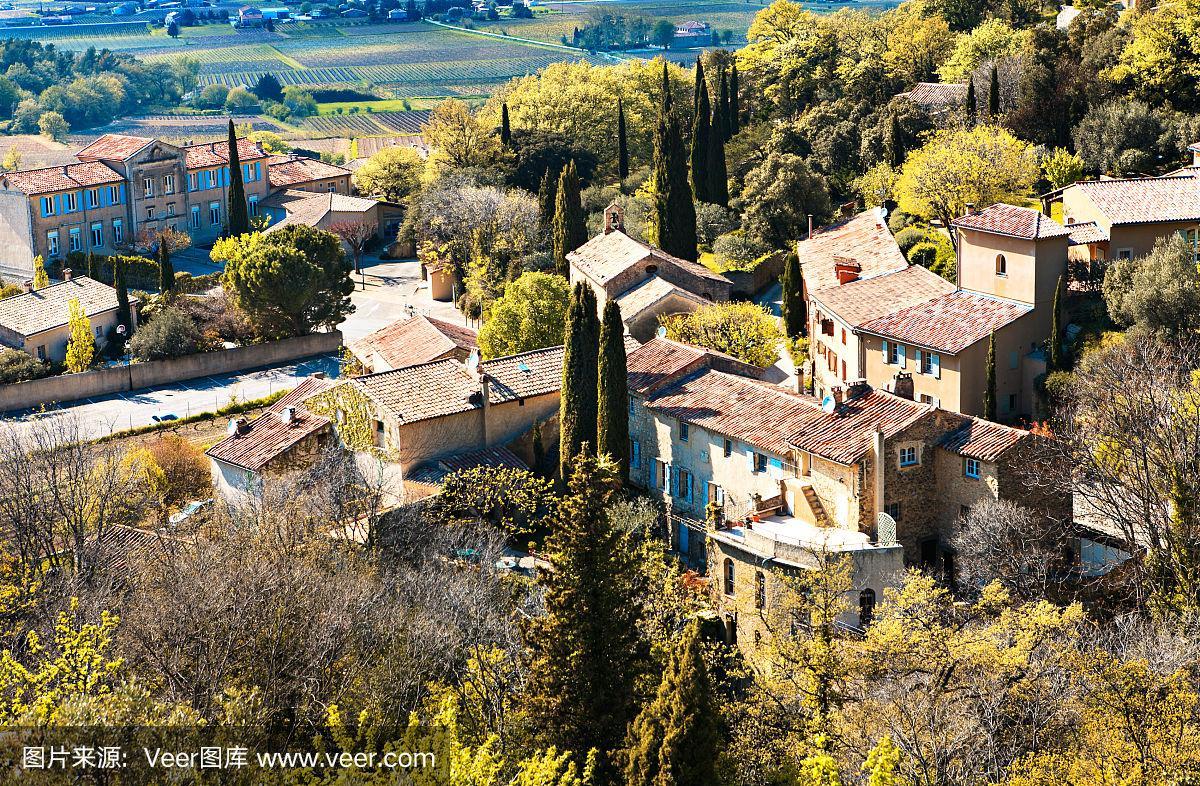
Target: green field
{"x":404,"y":61}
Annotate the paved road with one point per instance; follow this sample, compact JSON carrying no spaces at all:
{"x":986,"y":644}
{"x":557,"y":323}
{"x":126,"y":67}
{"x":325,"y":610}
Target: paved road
{"x":101,"y":416}
{"x":392,"y":287}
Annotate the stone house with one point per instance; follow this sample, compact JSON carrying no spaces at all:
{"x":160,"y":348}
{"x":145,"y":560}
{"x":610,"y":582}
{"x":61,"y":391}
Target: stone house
{"x":410,"y":342}
{"x":646,"y":281}
{"x":308,"y":174}
{"x":38,"y":322}
{"x":286,"y":438}
{"x":875,"y":325}
{"x":758,"y":477}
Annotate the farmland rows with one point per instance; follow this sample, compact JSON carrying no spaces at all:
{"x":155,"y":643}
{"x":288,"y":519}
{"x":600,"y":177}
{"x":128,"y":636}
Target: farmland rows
{"x":344,"y":125}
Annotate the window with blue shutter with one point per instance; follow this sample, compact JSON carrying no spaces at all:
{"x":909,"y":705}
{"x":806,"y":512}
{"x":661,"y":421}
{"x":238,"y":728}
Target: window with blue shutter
{"x":257,"y":171}
{"x":887,"y":356}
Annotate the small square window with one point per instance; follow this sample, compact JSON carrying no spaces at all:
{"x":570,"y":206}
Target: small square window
{"x":631,"y":406}
{"x":908,"y":457}
{"x":728,"y":448}
{"x":893,"y":510}
{"x":971,"y":468}
{"x":684,"y":432}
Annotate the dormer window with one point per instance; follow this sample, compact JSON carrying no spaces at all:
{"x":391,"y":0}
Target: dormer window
{"x":1001,"y":265}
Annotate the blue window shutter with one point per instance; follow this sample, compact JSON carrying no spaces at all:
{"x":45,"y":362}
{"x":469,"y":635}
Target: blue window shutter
{"x":900,"y":354}
{"x":653,"y":474}
{"x":58,"y":203}
{"x":917,"y":360}
{"x":887,"y":358}
{"x":936,"y":361}
{"x":257,"y":170}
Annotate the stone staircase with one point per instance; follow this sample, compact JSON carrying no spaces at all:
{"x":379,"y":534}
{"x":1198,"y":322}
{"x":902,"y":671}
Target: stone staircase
{"x":814,"y":504}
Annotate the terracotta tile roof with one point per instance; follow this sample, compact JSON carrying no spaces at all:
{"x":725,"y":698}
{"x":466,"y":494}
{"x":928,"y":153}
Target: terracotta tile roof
{"x":316,"y":207}
{"x":658,"y":361}
{"x":1014,"y":221}
{"x":748,"y":410}
{"x":432,"y":474}
{"x":114,"y":147}
{"x":982,"y":439}
{"x":1086,"y":232}
{"x":422,"y":392}
{"x":861,"y":301}
{"x":606,"y":256}
{"x":846,"y":435}
{"x":937,"y":94}
{"x":284,"y":171}
{"x":44,"y":309}
{"x":211,"y":154}
{"x":408,"y":342}
{"x":864,"y":238}
{"x":528,"y":374}
{"x":267,"y":437}
{"x":949,"y":323}
{"x":68,"y":177}
{"x":649,"y":294}
{"x":1145,"y":200}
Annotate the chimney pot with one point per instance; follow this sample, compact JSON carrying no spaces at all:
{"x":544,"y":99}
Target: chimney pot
{"x":838,"y":393}
{"x":846,"y":269}
{"x":903,"y":386}
{"x":970,"y":208}
{"x":27,"y":285}
{"x":287,"y":416}
{"x":67,"y":273}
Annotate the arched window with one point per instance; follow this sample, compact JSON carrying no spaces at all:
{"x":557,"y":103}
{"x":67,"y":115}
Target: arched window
{"x":760,"y":590}
{"x":866,"y":607}
{"x":728,"y":576}
{"x":1001,"y":265}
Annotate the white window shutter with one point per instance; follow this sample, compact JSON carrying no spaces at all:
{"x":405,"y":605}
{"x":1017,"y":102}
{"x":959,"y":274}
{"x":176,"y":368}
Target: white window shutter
{"x":936,"y":362}
{"x":887,"y":358}
{"x":750,"y":456}
{"x":917,"y":360}
{"x":900,"y":353}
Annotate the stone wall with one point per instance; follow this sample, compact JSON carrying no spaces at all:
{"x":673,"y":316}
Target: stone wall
{"x":119,"y":379}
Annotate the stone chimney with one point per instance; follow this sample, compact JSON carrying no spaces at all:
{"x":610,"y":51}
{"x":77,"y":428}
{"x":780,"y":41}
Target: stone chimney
{"x":67,"y":273}
{"x":838,"y":393}
{"x":27,"y":285}
{"x":846,"y":269}
{"x":903,"y":386}
{"x":970,"y":208}
{"x":287,"y":416}
{"x":614,"y":218}
{"x":857,"y":388}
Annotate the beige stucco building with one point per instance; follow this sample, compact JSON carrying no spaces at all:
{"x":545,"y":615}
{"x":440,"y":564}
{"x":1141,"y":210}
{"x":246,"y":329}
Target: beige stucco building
{"x":38,"y":322}
{"x":1121,"y":219}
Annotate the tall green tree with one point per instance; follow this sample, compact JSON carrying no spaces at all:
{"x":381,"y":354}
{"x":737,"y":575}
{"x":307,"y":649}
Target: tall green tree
{"x":717,"y":170}
{"x":994,"y":97}
{"x":546,"y":196}
{"x":989,"y":391}
{"x":675,"y":739}
{"x":570,"y":222}
{"x":578,"y":405}
{"x":612,"y":426}
{"x":896,"y":143}
{"x":622,"y":142}
{"x":700,"y":138}
{"x":794,"y":318}
{"x":505,"y":129}
{"x":673,"y":223}
{"x":972,"y":106}
{"x":166,"y":271}
{"x":735,"y":105}
{"x":724,"y":124}
{"x":586,"y":645}
{"x":93,"y":266}
{"x":124,"y":314}
{"x":239,"y":216}
{"x":1056,"y":352}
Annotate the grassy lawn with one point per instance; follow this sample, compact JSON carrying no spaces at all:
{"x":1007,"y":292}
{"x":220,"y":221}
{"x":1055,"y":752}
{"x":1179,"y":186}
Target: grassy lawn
{"x":382,"y":105}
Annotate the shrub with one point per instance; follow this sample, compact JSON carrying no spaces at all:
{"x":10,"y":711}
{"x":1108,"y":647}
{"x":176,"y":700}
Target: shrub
{"x":18,"y":366}
{"x":899,"y":220}
{"x":184,"y":465}
{"x":736,"y":250}
{"x":745,"y":330}
{"x":171,"y":333}
{"x":910,"y":236}
{"x":712,"y":221}
{"x":923,"y":253}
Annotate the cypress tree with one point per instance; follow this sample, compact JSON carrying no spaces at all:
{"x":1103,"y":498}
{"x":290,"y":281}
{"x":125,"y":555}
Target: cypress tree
{"x":718,"y":174}
{"x":505,"y":131}
{"x":673,"y":224}
{"x":93,"y":269}
{"x":666,"y":89}
{"x":578,"y":406}
{"x":701,"y":179}
{"x":612,"y":426}
{"x":989,"y":392}
{"x":994,"y":97}
{"x":896,"y":143}
{"x":570,"y":223}
{"x":166,"y":271}
{"x":735,"y":106}
{"x":725,"y":124}
{"x":971,"y":107}
{"x":622,"y":143}
{"x":794,"y":318}
{"x":546,"y":196}
{"x":1056,"y":354}
{"x":675,"y":738}
{"x":239,"y":217}
{"x":124,"y":315}
{"x":585,"y":646}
